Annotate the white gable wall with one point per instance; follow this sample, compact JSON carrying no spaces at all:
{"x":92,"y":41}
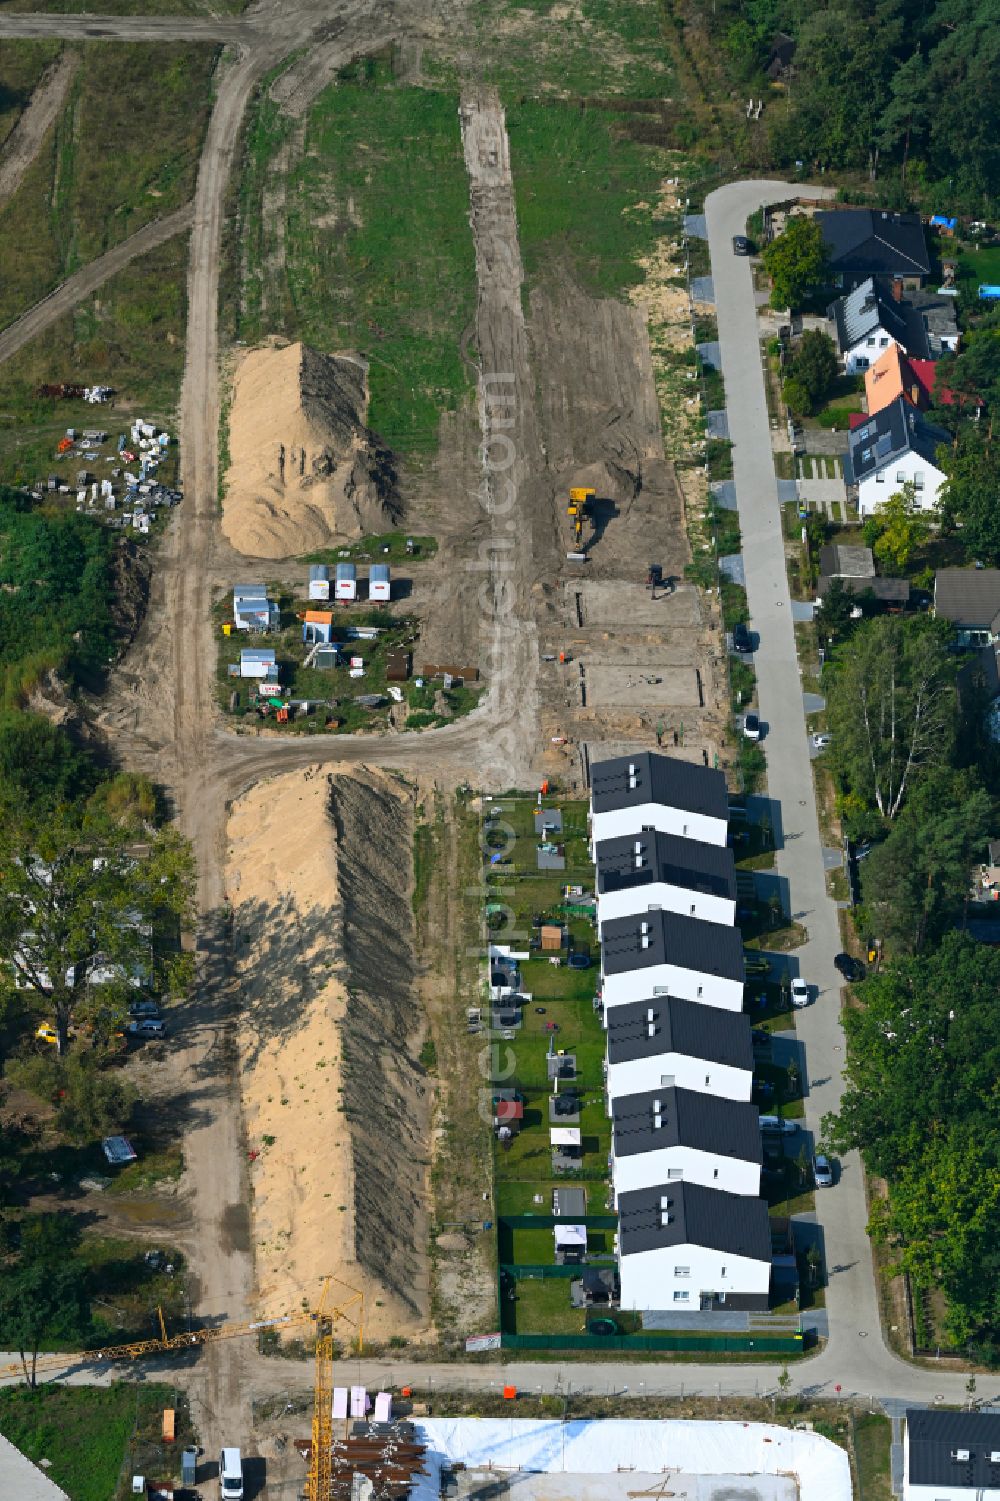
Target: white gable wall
{"x":682,"y":1164}
{"x":622,"y":822}
{"x":659,"y":895}
{"x":668,"y":979}
{"x":641,"y":1074}
{"x":676,"y":1276}
{"x":885,"y":482}
{"x":868,"y":350}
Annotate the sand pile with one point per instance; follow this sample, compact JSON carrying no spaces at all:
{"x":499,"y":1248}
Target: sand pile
{"x":325,"y":1184}
{"x":304,"y":472}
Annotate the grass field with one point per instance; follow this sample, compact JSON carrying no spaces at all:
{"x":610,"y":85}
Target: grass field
{"x":587,"y":49}
{"x":872,"y":1441}
{"x":123,"y":151}
{"x":585,"y":194}
{"x":86,"y":1432}
{"x":129,"y":335}
{"x":21,"y":66}
{"x":377,"y":251}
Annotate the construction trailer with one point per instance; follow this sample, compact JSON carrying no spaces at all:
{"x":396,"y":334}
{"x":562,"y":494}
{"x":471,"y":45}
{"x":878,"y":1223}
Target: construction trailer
{"x":346,"y":582}
{"x":252,"y":610}
{"x":379,"y":585}
{"x":319,"y":581}
{"x":259,"y":662}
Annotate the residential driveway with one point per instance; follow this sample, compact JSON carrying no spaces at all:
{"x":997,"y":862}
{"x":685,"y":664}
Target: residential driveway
{"x":855,"y":1341}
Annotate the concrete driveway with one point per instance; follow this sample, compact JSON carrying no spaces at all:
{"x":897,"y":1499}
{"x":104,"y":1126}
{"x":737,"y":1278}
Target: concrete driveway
{"x":855,"y":1341}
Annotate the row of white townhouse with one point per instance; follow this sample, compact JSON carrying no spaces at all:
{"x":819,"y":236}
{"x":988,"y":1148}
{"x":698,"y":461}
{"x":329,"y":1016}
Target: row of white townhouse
{"x":686,"y":1156}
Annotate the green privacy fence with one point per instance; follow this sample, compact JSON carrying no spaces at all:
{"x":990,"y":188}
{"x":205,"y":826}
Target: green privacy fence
{"x":519,"y":1271}
{"x":735,"y":1344}
{"x":549,"y":1221}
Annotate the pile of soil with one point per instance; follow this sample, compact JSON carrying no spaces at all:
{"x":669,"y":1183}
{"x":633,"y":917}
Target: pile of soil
{"x":305,"y":472}
{"x":335,"y":1126}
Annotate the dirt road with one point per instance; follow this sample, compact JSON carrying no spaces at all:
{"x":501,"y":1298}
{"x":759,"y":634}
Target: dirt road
{"x":72,"y":291}
{"x":21,"y":146}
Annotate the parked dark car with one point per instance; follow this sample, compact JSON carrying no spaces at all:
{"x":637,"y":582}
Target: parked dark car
{"x":741,"y":637}
{"x":741,"y":245}
{"x":148,"y":1027}
{"x":852,"y":969}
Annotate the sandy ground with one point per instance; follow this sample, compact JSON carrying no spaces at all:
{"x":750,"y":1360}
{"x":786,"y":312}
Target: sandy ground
{"x":303,"y":469}
{"x":283,"y":883}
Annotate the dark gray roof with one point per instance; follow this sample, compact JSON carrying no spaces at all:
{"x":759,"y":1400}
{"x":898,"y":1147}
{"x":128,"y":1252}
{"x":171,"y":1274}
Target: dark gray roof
{"x":897,"y":429}
{"x":636,"y":860}
{"x":935,"y":1436}
{"x":837,"y":561}
{"x":668,"y":1024}
{"x":657,"y":779}
{"x":868,"y":242}
{"x":688,"y":1118}
{"x":680,"y":1214}
{"x":889,"y":591}
{"x":936,"y":312}
{"x":710,"y":948}
{"x":871,"y":306}
{"x":968,"y":597}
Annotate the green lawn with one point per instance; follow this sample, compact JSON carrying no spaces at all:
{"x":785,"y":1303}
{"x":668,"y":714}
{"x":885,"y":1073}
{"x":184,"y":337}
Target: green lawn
{"x":542,"y":1306}
{"x":585,"y":195}
{"x":978,"y":266}
{"x":872,"y":1442}
{"x":378,"y":256}
{"x":87,"y":1432}
{"x":387,"y":547}
{"x":617,"y":47}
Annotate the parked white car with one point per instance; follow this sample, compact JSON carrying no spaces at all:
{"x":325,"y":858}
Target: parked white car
{"x":800,"y":992}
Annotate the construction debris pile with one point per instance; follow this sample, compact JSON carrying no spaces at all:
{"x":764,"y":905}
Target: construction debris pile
{"x":96,"y":395}
{"x":132,"y":493}
{"x":388,"y":1456}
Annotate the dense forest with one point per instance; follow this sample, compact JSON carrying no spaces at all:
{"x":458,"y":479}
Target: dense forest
{"x":908,"y":89}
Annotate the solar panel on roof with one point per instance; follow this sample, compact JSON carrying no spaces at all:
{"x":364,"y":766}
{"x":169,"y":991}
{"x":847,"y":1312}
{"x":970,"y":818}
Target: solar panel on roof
{"x":884,"y":445}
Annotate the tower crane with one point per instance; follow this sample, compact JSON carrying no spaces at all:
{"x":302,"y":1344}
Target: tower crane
{"x":324,"y":1316}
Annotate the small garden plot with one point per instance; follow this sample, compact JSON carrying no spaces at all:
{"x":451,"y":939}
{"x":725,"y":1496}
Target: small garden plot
{"x":388,"y":547}
{"x":354,"y":682}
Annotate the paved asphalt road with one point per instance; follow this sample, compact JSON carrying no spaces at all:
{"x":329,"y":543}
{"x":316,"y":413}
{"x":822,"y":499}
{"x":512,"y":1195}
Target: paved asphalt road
{"x":856,"y":1351}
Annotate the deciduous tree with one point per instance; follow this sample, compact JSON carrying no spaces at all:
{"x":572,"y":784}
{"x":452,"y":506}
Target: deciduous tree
{"x":898,"y":527}
{"x":86,"y":915}
{"x":892,"y":706}
{"x":795,"y":262}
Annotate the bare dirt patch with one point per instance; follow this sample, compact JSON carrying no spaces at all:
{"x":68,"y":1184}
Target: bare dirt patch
{"x":304,"y":470}
{"x":337,"y":1186}
{"x":641,"y":685}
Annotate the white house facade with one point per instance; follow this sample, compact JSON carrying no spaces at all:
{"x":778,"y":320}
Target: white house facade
{"x":676,"y":1135}
{"x":652,"y":870}
{"x":646,"y":792}
{"x":663,"y":954}
{"x":665,"y":1041}
{"x":908,"y":468}
{"x":685,"y":1247}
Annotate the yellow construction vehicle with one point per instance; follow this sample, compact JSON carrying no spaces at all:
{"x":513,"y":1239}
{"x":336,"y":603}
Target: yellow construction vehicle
{"x":579,"y":510}
{"x":323,"y":1316}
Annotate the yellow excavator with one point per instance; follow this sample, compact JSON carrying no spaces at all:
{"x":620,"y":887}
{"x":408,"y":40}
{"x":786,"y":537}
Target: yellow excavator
{"x":579,"y":510}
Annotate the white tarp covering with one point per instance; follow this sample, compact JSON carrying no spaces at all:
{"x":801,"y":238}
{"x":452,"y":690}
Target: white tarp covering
{"x":564,"y":1136}
{"x":607,"y":1447}
{"x":572,"y":1237}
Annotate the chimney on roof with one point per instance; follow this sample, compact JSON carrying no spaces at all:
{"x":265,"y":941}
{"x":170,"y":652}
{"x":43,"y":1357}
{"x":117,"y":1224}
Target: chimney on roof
{"x":915,"y":393}
{"x":897,"y":288}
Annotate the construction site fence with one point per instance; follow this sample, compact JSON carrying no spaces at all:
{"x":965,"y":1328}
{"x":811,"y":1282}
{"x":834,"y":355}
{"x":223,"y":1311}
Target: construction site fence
{"x":549,"y":1221}
{"x":734,"y":1344}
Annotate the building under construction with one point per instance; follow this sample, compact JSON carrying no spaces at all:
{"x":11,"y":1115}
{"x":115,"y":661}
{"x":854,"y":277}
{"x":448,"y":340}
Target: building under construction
{"x":373,"y":1462}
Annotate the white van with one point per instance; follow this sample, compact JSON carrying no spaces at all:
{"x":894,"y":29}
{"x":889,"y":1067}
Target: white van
{"x":230,"y":1475}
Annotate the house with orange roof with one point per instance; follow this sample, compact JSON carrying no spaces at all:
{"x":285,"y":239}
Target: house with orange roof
{"x":317,"y":626}
{"x":894,"y":374}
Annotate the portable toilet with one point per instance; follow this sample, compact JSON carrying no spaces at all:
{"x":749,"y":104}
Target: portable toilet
{"x":347,"y":581}
{"x":319,"y":581}
{"x":378,"y":582}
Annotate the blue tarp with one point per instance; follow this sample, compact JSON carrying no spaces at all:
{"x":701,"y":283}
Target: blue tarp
{"x":941,"y":221}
